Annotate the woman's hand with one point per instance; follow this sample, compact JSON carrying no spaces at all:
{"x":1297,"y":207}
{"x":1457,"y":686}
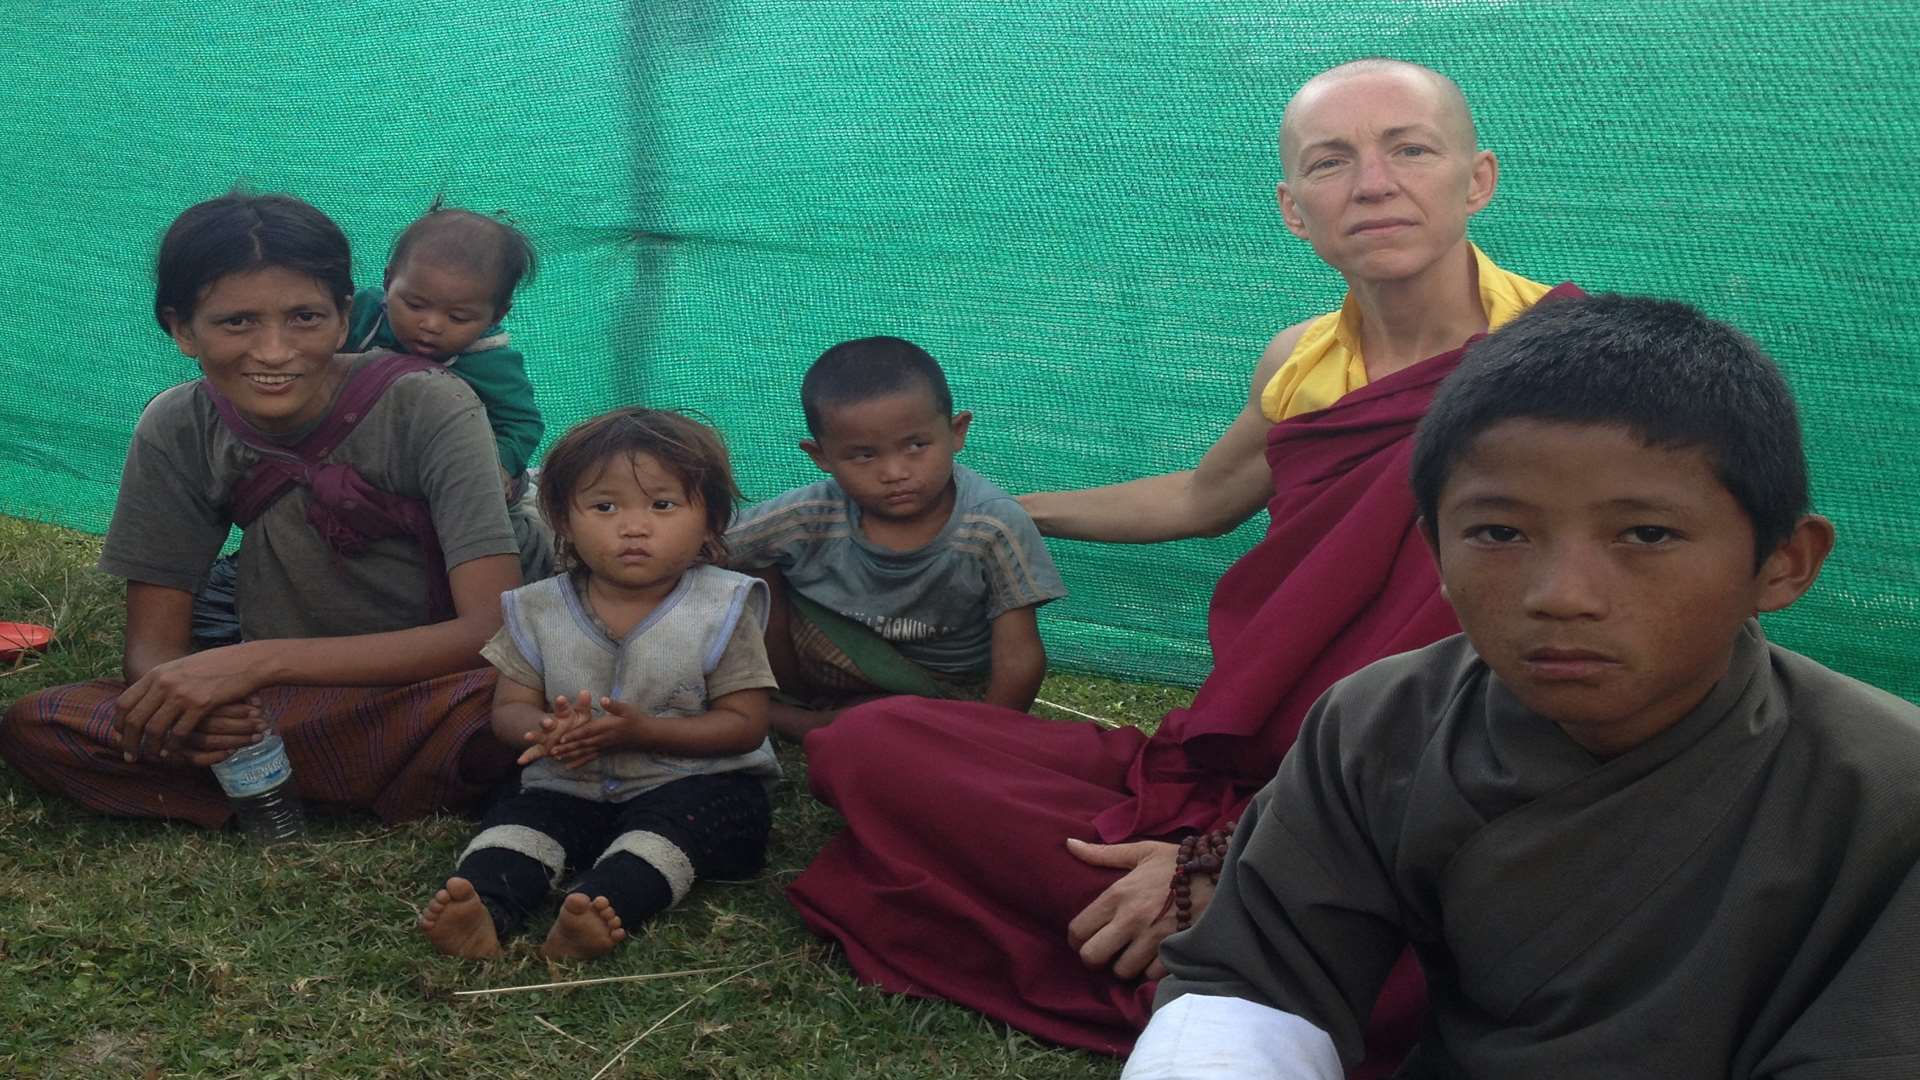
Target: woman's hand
{"x":165,"y":712}
{"x":223,"y":730}
{"x":1125,"y":924}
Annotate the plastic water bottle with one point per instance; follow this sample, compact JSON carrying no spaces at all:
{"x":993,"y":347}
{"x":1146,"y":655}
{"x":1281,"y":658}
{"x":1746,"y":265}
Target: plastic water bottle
{"x":258,"y":781}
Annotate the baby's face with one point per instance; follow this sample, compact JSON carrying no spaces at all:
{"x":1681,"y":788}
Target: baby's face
{"x":1602,"y":579}
{"x":438,"y":311}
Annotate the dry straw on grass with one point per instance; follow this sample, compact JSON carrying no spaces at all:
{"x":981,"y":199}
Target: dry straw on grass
{"x":681,"y":1008}
{"x":652,"y":976}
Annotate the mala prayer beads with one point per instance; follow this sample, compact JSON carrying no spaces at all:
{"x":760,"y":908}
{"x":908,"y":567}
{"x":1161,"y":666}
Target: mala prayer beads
{"x":1201,"y":855}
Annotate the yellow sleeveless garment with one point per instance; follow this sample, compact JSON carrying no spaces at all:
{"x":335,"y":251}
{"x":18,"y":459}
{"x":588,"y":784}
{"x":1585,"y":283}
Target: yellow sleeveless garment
{"x":1326,"y":365}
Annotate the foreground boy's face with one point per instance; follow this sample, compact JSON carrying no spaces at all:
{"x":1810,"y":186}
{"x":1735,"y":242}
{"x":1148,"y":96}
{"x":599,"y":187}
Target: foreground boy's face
{"x":1603,"y":580}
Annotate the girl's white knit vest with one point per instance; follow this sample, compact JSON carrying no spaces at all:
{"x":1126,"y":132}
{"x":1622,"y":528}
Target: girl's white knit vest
{"x":661,"y":667}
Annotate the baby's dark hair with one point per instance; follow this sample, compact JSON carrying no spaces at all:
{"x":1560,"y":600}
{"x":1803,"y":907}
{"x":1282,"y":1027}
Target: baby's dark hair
{"x":856,"y":371}
{"x":242,"y":231}
{"x":450,"y":236}
{"x":1658,"y":368}
{"x":690,"y":450}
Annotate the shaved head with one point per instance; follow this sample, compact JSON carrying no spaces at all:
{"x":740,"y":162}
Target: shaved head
{"x":1453,"y":103}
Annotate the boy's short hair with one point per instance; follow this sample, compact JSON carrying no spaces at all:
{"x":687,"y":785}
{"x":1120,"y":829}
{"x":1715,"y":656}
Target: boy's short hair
{"x":1659,"y":368}
{"x":867,"y":368}
{"x":454,"y":237}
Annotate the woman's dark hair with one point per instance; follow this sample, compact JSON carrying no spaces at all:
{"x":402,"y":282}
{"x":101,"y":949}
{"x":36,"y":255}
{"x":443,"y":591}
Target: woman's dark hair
{"x":688,"y":449}
{"x":1658,"y":368}
{"x":241,"y":231}
{"x":490,"y":246}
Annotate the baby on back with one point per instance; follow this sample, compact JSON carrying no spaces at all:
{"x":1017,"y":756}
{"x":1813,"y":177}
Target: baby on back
{"x":448,"y":285}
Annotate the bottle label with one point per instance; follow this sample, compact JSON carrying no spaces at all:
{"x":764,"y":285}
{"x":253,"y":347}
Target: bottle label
{"x":243,"y":775}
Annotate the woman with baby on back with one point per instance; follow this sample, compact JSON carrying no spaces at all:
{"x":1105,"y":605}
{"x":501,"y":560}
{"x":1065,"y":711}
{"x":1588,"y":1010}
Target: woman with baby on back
{"x":374,"y":548}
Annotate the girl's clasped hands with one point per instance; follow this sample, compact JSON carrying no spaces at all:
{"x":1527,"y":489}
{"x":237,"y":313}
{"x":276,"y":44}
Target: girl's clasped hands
{"x":575,"y":732}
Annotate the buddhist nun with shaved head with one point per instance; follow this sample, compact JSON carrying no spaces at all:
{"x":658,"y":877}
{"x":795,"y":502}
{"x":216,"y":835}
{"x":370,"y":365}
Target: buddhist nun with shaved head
{"x":1030,"y":869}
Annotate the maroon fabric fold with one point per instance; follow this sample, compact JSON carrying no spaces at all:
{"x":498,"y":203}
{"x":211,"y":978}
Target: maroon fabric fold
{"x":1342,"y":579}
{"x":951,"y":878}
{"x":346,"y":510}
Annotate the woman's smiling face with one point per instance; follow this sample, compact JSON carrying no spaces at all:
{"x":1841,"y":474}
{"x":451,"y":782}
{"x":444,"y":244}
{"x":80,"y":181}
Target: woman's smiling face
{"x":265,"y":339}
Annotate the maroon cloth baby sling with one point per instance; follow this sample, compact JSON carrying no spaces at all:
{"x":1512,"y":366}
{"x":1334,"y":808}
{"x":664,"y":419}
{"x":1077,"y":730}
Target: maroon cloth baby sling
{"x":346,"y":510}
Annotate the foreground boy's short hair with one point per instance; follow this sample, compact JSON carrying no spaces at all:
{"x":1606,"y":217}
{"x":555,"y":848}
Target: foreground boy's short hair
{"x":1658,"y":368}
{"x":1730,"y":890}
{"x":867,"y":368}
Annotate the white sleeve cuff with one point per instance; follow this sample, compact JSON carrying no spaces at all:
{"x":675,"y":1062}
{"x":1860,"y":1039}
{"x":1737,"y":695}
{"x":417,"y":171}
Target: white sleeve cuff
{"x":1207,"y":1038}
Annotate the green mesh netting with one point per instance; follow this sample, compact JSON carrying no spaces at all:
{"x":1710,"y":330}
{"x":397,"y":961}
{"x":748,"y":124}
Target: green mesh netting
{"x":1069,"y":203}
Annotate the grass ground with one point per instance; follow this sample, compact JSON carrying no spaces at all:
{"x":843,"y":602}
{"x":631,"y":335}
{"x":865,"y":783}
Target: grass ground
{"x":144,"y":949}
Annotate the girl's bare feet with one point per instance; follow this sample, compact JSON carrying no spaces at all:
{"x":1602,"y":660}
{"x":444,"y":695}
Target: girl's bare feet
{"x":458,"y":924}
{"x":584,"y":930}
